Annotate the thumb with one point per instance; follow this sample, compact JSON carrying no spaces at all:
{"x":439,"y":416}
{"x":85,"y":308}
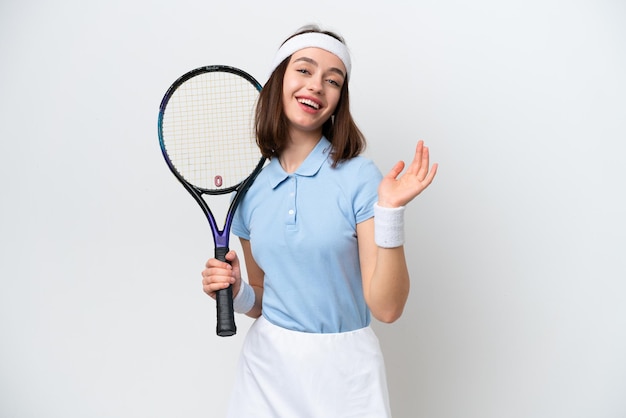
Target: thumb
{"x":232,"y":258}
{"x":396,"y":170}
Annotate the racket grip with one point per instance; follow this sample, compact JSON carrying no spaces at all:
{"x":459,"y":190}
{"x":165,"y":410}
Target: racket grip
{"x":224,"y":302}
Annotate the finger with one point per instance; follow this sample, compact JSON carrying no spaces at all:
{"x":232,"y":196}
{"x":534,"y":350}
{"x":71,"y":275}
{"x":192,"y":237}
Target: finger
{"x":212,"y":289}
{"x":431,"y":175}
{"x":213,"y":262}
{"x":212,"y":280}
{"x":424,"y":163}
{"x":214,"y":286}
{"x":421,"y":162}
{"x":217,"y":274}
{"x":232,"y":258}
{"x":396,"y":170}
{"x":417,"y":162}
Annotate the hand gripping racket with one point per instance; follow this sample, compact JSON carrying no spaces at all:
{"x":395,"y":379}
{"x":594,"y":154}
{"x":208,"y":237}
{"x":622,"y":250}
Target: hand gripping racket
{"x":207,"y":136}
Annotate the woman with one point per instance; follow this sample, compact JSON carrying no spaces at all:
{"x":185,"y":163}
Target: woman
{"x":322,"y":236}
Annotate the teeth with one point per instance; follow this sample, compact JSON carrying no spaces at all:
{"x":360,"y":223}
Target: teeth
{"x":309,"y":103}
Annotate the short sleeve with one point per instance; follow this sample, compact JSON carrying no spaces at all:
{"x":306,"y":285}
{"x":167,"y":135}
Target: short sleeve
{"x":366,"y":192}
{"x":241,"y":225}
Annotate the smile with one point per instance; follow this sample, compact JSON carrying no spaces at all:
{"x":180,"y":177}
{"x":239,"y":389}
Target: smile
{"x":310,"y":103}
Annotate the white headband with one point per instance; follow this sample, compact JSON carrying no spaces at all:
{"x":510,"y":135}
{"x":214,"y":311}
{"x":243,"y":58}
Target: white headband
{"x":313,"y":40}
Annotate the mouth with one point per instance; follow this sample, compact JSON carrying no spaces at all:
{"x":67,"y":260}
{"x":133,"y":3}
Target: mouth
{"x":309,"y":103}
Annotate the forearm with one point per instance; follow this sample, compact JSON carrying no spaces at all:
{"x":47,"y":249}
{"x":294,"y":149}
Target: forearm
{"x":256,"y":278}
{"x":255,"y":312}
{"x":389,"y":285}
{"x":384,"y":273}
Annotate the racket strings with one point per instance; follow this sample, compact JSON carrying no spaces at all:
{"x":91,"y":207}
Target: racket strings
{"x":208,"y":130}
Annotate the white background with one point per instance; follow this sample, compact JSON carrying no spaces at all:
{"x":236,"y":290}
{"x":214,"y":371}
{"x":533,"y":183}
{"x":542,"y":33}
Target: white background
{"x":517,"y":251}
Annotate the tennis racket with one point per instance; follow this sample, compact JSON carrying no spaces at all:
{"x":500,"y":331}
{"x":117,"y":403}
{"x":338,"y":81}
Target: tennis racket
{"x":207,"y":136}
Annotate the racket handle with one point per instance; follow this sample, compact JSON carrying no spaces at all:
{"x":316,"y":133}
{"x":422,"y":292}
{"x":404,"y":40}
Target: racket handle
{"x":224,"y":301}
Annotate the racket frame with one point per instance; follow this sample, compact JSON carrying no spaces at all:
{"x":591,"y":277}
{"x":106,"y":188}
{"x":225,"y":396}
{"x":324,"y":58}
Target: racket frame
{"x":221,"y":236}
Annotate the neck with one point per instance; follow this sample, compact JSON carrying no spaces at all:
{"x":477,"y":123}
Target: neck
{"x":297,"y":150}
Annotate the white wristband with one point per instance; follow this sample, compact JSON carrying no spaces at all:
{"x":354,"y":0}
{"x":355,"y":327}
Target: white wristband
{"x":244,"y":301}
{"x":388,"y":226}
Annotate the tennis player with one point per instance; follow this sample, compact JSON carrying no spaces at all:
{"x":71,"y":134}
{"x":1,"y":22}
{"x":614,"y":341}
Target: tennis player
{"x":322,"y":235}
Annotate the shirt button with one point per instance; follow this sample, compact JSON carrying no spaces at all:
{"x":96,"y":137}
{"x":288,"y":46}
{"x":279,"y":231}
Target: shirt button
{"x":291,"y":211}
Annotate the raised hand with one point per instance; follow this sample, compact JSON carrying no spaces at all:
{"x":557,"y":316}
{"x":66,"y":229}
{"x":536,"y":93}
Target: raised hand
{"x":397,"y":190}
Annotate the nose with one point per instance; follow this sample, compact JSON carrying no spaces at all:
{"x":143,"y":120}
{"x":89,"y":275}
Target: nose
{"x":315,"y":85}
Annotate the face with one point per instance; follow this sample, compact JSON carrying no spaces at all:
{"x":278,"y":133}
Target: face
{"x":311,"y":89}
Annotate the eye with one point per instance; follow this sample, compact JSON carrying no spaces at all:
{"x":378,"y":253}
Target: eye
{"x":334,"y":82}
{"x":303,"y":71}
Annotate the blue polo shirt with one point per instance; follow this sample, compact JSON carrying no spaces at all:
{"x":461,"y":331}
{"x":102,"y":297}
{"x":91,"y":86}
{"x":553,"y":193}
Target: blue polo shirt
{"x":302,"y":231}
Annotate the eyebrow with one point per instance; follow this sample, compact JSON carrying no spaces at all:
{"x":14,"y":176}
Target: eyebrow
{"x":313,"y":62}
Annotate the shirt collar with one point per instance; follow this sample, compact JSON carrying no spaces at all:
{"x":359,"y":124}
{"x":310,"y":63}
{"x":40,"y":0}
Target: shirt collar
{"x":309,"y":167}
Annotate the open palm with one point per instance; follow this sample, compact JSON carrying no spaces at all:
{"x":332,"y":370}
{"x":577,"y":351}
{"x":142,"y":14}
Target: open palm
{"x":398,"y":190}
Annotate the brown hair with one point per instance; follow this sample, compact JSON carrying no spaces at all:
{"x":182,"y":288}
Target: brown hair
{"x":272,"y":125}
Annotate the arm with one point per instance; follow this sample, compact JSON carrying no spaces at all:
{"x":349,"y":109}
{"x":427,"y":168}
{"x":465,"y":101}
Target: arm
{"x":255,"y":278}
{"x":385,"y":275}
{"x":384,"y":271}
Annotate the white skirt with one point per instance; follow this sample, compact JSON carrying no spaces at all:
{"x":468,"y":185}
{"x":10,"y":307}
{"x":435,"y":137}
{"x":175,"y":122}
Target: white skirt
{"x":290,"y":374}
